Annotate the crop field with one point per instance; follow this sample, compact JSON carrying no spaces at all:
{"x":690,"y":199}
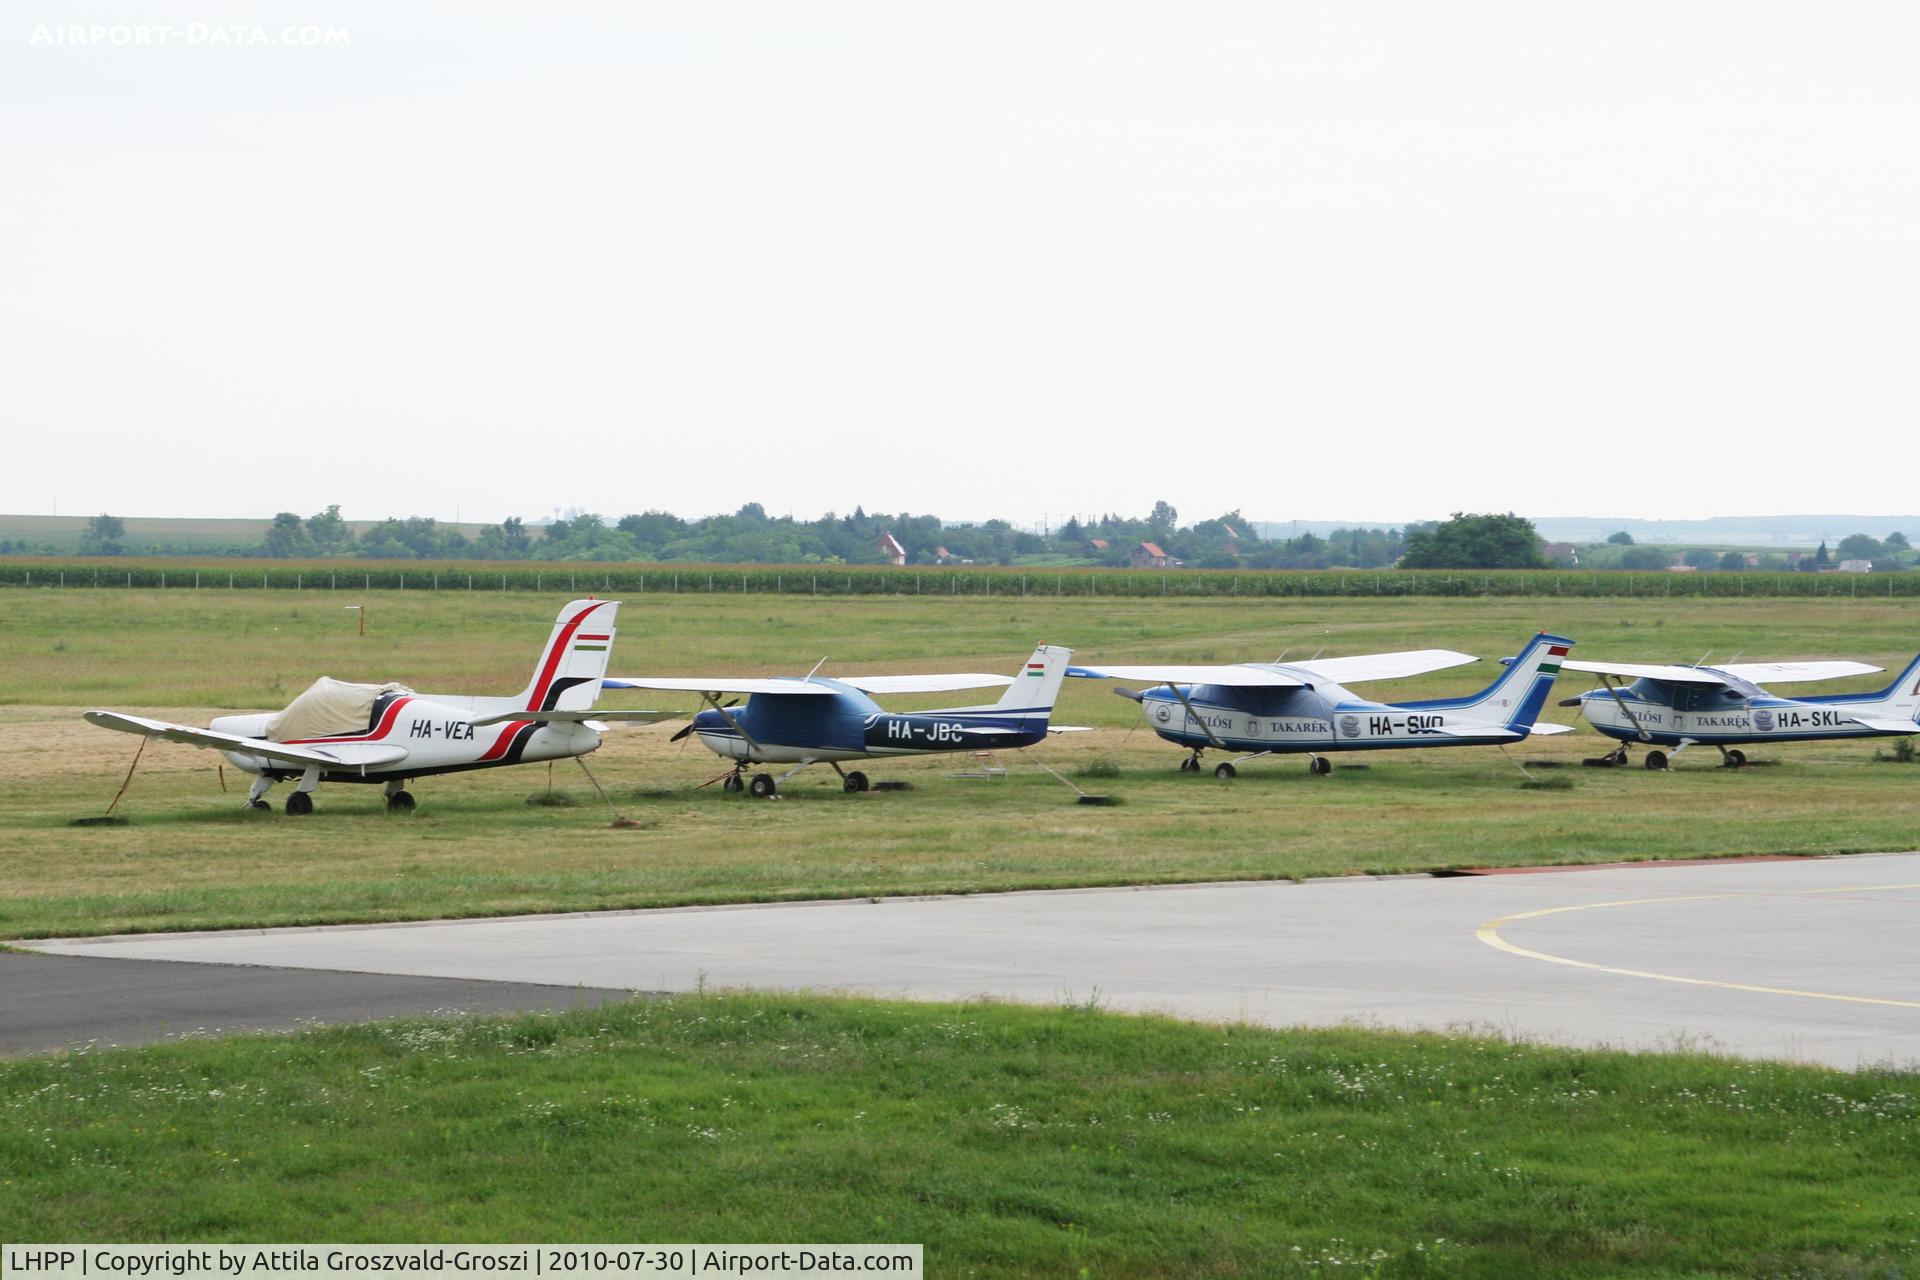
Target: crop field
{"x":192,"y":858}
{"x":1016,"y":581}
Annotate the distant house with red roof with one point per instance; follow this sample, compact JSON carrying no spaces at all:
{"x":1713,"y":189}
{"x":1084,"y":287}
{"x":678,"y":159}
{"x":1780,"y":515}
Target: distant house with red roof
{"x":1149,"y":555}
{"x":890,"y":548}
{"x":1098,"y":544}
{"x":943,"y":556}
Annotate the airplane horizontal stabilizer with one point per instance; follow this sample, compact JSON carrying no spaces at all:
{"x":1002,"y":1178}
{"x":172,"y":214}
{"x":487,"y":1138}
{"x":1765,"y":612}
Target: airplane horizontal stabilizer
{"x":1888,"y":724}
{"x":1475,"y":729}
{"x":1542,"y":729}
{"x":1069,"y":728}
{"x":334,"y":755}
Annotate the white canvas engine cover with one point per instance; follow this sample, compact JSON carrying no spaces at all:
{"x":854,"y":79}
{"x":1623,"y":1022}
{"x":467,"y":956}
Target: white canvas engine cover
{"x":328,"y":707}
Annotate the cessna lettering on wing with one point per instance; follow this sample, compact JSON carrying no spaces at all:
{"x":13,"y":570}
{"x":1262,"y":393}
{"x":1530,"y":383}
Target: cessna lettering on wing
{"x":451,"y":730}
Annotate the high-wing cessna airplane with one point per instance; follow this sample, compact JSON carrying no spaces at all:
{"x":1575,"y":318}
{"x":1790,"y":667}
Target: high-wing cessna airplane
{"x":817,"y":719}
{"x":1679,"y":706}
{"x":1273,"y":708}
{"x":341,"y":732}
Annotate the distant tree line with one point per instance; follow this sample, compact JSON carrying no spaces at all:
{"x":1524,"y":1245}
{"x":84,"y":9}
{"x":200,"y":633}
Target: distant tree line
{"x":1157,"y":539}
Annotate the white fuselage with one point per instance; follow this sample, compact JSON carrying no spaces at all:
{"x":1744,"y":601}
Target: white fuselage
{"x":437,"y":733}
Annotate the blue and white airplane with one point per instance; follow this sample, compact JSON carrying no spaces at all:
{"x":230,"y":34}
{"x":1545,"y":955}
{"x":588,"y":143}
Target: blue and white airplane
{"x":1680,"y":706}
{"x":816,"y":719}
{"x":1262,"y":709}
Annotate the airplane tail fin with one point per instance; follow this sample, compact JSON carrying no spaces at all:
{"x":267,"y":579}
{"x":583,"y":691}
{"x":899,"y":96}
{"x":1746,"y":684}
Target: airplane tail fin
{"x":1038,"y":685}
{"x":575,"y":660}
{"x":1517,"y":697}
{"x":1902,"y":697}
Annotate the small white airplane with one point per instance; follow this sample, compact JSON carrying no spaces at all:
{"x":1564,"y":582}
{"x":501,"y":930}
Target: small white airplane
{"x":816,"y":719}
{"x":1679,"y":706}
{"x":1260,"y":709}
{"x":342,"y":732}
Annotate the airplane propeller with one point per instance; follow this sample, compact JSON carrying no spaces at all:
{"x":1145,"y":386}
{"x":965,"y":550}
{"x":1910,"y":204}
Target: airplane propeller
{"x":732,"y":702}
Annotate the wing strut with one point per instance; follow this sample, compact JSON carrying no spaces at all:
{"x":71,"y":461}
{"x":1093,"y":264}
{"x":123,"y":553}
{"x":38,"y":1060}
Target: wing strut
{"x":1606,"y":682}
{"x":713,"y":700}
{"x":1205,"y":728}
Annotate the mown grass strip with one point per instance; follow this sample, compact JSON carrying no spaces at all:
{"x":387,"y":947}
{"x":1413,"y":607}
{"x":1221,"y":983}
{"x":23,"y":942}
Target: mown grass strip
{"x":1011,"y":1141}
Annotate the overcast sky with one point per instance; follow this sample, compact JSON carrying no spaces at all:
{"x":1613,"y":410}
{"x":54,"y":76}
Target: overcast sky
{"x":1304,"y":260}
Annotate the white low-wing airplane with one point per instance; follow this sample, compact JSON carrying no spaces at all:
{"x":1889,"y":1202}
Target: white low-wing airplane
{"x":816,"y":719}
{"x":342,"y":732}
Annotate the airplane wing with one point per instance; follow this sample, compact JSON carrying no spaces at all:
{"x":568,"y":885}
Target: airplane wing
{"x":1788,"y":672}
{"x":334,"y":755}
{"x":925,"y":684}
{"x":1646,"y":671}
{"x":1383,"y":666}
{"x":1243,"y":675}
{"x":1753,"y":672}
{"x":576,"y":717}
{"x":718,"y":684}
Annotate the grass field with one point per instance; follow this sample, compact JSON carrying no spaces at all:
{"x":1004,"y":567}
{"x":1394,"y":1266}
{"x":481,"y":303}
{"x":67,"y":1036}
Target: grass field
{"x":191,"y":858}
{"x":1011,"y":1142}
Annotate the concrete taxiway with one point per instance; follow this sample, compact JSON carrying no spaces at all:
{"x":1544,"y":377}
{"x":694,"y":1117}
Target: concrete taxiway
{"x":69,"y":1002}
{"x":1814,"y":959}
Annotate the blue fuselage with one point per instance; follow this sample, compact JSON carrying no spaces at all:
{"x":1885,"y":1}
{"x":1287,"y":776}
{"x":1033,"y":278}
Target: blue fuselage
{"x":848,"y":725}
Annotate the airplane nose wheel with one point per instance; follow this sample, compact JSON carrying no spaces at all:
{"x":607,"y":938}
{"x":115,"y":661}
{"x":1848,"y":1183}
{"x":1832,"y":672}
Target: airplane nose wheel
{"x":259,"y":806}
{"x":762,"y":786}
{"x":856,"y":781}
{"x":1320,"y":766}
{"x":1191,"y":764}
{"x":1734,"y":759}
{"x":299,"y":804}
{"x":732,"y":782}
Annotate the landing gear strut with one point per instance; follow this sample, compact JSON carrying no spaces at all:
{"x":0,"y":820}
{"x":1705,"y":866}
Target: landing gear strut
{"x":257,"y":794}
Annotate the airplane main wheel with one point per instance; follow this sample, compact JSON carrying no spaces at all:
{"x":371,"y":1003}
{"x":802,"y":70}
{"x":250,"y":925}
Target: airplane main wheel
{"x":1655,"y":760}
{"x":1736,"y":759}
{"x":762,"y":786}
{"x":401,"y":800}
{"x":857,"y":781}
{"x":1320,"y":765}
{"x":1225,"y":770}
{"x":299,"y":804}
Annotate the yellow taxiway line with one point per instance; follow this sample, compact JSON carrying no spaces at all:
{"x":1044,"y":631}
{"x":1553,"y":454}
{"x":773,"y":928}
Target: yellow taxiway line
{"x":1489,"y":933}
